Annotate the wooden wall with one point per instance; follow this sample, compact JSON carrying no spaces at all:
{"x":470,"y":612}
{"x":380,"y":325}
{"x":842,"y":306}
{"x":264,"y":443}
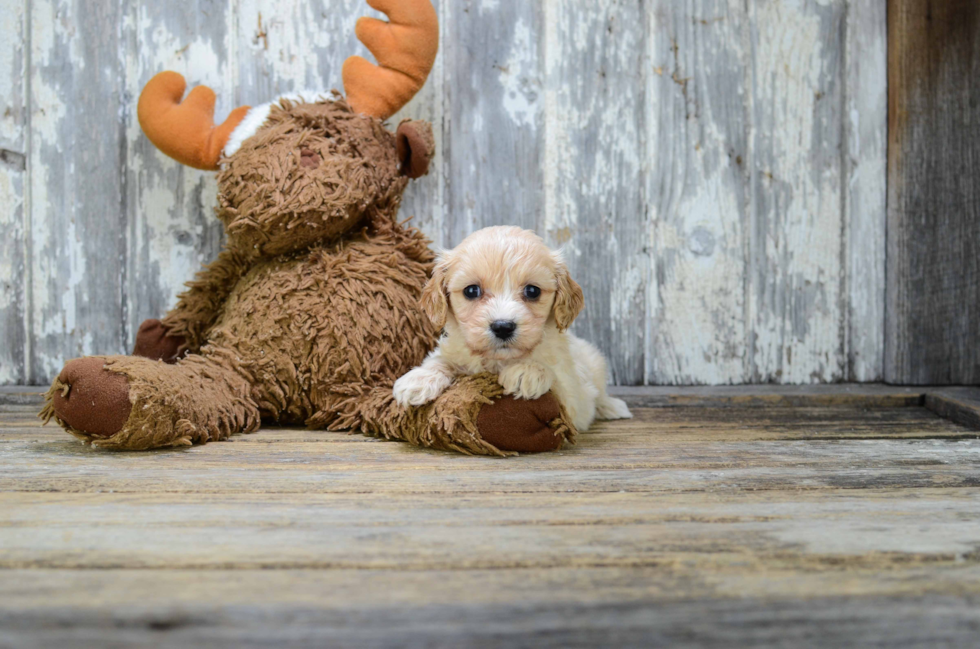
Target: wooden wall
{"x":933,"y":289}
{"x":714,"y":168}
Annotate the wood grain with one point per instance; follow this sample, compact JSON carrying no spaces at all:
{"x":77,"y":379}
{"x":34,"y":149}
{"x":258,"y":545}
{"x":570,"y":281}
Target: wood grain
{"x":172,"y":229}
{"x":494,"y":83}
{"x":933,"y":203}
{"x":713,"y":167}
{"x":795,"y":249}
{"x":14,"y":351}
{"x":865,"y":115}
{"x":818,"y":526}
{"x":593,"y":165}
{"x":77,"y":188}
{"x":698,"y":157}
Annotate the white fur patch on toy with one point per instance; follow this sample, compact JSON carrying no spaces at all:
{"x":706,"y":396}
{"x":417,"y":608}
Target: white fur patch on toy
{"x":257,"y":115}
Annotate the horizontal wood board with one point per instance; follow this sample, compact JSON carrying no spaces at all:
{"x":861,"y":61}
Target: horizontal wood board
{"x":827,"y":525}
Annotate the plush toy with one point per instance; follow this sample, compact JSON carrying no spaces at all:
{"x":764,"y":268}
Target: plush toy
{"x":312,"y":310}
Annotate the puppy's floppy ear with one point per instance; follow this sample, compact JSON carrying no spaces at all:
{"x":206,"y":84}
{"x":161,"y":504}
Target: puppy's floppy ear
{"x":569,"y":299}
{"x":435,"y":301}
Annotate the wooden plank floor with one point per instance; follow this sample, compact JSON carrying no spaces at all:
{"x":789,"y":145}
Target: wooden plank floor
{"x":717,"y":518}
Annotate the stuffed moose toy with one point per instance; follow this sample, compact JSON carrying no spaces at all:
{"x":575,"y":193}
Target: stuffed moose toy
{"x":311,"y":311}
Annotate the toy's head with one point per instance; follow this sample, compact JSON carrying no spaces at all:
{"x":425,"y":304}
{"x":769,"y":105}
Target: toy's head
{"x":307,"y":168}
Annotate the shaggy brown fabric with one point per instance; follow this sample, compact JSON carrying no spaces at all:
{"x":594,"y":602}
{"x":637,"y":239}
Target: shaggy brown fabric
{"x":153,"y":342}
{"x":310,"y":313}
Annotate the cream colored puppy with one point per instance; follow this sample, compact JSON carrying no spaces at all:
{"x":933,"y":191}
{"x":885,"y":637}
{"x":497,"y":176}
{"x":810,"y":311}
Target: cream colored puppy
{"x":505,"y":302}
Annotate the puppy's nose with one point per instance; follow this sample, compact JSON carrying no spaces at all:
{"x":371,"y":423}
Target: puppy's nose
{"x":503,"y":329}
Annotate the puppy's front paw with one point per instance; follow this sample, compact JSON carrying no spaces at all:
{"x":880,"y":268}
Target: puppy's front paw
{"x":526,"y":380}
{"x":420,"y":386}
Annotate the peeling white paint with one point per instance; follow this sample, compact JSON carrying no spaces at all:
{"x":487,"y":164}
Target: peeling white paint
{"x":687,"y":167}
{"x":519,"y":78}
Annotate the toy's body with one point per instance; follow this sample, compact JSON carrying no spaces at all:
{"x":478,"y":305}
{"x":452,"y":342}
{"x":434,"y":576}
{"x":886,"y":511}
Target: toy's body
{"x":312,"y":310}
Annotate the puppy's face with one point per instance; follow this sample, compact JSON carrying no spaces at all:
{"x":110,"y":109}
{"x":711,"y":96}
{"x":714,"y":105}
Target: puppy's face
{"x":502,"y":286}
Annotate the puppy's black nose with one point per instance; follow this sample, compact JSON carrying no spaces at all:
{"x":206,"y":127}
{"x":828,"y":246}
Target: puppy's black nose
{"x":503,"y":329}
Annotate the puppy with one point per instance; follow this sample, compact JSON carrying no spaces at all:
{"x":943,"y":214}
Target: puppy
{"x":505,"y":301}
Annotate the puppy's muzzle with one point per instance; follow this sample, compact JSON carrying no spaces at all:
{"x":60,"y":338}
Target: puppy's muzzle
{"x":503,"y":329}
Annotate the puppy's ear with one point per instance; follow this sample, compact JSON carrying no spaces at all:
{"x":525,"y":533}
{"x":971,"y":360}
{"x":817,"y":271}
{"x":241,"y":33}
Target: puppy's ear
{"x":435,"y":301}
{"x":569,"y":299}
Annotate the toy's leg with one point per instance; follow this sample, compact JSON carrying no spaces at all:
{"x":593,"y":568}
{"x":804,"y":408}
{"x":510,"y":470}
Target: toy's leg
{"x":153,"y":341}
{"x":133,"y":403}
{"x":472,"y":416}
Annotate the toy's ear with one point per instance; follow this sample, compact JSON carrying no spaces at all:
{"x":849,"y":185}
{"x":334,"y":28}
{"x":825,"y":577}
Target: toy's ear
{"x":416,"y":146}
{"x":435,"y":299}
{"x":569,"y":299}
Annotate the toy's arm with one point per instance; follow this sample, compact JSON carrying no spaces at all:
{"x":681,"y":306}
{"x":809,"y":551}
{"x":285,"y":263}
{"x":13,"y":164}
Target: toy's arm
{"x":472,"y":416}
{"x":200,"y":305}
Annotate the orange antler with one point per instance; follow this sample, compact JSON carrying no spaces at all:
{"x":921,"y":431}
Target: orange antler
{"x":185,"y":131}
{"x":405,"y":49}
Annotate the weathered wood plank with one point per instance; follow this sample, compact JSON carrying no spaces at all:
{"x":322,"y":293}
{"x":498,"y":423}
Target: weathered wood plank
{"x":77,"y":188}
{"x":603,"y":463}
{"x":13,"y":171}
{"x":492,"y":531}
{"x":624,"y":145}
{"x":771,"y":396}
{"x":494,"y":85}
{"x":696,"y":192}
{"x":959,"y":405}
{"x":865,"y":123}
{"x":285,"y":46}
{"x":729,"y":423}
{"x":796,"y":302}
{"x":140,"y":598}
{"x":593,"y":161}
{"x":921,"y":620}
{"x":913,"y":621}
{"x":425,"y":198}
{"x":933,"y":293}
{"x":172,"y":229}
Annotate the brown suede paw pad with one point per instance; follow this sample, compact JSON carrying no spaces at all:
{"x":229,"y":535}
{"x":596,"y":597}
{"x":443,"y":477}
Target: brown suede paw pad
{"x":518,"y":425}
{"x":91,"y":399}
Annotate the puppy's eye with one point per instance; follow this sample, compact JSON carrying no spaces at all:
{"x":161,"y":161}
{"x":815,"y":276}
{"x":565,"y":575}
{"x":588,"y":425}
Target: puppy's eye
{"x":532,"y":292}
{"x":472,"y":292}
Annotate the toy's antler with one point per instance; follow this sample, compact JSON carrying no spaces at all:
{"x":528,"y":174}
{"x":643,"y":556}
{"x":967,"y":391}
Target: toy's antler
{"x":405,"y":49}
{"x":185,"y":131}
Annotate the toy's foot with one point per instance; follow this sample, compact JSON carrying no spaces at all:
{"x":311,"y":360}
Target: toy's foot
{"x":153,"y":342}
{"x":521,"y":425}
{"x":90,"y":399}
{"x":133,"y":403}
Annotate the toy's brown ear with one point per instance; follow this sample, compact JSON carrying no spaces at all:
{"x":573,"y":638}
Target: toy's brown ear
{"x":416,"y":146}
{"x":435,"y":300}
{"x":569,"y":299}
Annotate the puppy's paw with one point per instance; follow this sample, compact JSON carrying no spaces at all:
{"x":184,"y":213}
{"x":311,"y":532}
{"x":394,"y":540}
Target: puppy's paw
{"x":420,"y":386}
{"x":610,"y":408}
{"x":526,"y":380}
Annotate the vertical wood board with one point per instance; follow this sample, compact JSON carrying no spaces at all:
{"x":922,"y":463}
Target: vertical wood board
{"x":77,"y":187}
{"x":697,"y":191}
{"x":13,"y":171}
{"x":933,"y":292}
{"x":797,"y":314}
{"x":593,"y":161}
{"x":170,"y":207}
{"x":865,"y":172}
